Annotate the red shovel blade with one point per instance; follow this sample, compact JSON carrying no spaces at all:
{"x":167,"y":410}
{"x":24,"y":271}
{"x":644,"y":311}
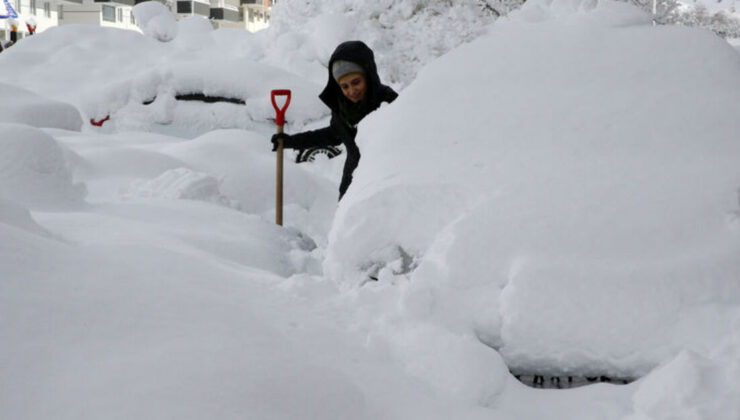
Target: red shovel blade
{"x":280,"y":118}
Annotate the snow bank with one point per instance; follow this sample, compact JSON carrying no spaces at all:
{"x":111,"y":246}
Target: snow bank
{"x":154,"y":97}
{"x":184,"y":184}
{"x":33,"y":170}
{"x":690,"y":386}
{"x":137,"y":330}
{"x":139,"y":86}
{"x":246,"y":166}
{"x":15,"y":215}
{"x":23,"y":107}
{"x":570,"y":202}
{"x":155,"y":20}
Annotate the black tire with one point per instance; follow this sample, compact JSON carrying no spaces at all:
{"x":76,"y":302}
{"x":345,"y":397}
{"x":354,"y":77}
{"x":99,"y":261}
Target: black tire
{"x":308,"y":155}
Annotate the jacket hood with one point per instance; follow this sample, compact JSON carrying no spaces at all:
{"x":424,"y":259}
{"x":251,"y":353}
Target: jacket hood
{"x":359,"y":53}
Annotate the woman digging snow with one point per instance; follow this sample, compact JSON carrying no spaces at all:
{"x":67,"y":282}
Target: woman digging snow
{"x":352,"y":92}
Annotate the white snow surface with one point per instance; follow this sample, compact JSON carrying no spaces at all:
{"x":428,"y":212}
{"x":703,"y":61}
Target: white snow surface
{"x":137,"y":86}
{"x":559,"y":196}
{"x":578,"y":211}
{"x":34,"y":170}
{"x":24,"y":107}
{"x":155,"y":20}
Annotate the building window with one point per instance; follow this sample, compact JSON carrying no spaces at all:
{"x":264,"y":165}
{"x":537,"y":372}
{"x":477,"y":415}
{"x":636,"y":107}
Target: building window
{"x":18,"y":5}
{"x":32,"y":5}
{"x":47,"y":9}
{"x":131,"y":16}
{"x":120,"y":15}
{"x":60,"y":12}
{"x":109,"y":13}
{"x":184,"y":7}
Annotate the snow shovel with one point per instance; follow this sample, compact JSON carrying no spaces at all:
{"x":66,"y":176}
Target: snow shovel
{"x":280,"y":121}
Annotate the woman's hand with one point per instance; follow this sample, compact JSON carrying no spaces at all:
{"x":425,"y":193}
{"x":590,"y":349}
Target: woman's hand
{"x":287,"y":141}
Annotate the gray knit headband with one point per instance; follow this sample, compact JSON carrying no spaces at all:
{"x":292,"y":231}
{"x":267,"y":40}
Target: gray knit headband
{"x":342,"y":68}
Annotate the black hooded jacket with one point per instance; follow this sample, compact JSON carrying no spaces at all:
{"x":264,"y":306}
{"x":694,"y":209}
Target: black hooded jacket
{"x":345,"y":114}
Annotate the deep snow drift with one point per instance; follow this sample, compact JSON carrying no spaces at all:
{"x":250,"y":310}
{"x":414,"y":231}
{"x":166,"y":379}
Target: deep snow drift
{"x":34,"y":169}
{"x":558,"y":196}
{"x":571,"y":203}
{"x":138,"y":86}
{"x":23,"y":107}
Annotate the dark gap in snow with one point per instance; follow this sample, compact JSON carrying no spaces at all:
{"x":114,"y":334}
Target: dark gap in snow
{"x":208,"y":99}
{"x":202,"y":98}
{"x":535,"y":380}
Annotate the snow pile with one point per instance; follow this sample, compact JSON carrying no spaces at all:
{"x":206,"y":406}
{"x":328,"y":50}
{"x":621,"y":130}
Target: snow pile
{"x":569,"y":203}
{"x":692,"y":387}
{"x":155,"y":20}
{"x":15,"y":215}
{"x":34,"y":171}
{"x":153,"y":100}
{"x":246,"y":167}
{"x":183,"y":183}
{"x":194,"y":34}
{"x":23,"y":107}
{"x":138,"y":87}
{"x":74,"y":64}
{"x":144,"y":329}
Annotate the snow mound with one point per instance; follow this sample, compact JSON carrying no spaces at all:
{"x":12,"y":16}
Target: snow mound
{"x":33,"y":170}
{"x":24,"y":107}
{"x":246,"y":166}
{"x":155,"y":20}
{"x":15,"y":215}
{"x":182,"y":184}
{"x":153,"y":97}
{"x":689,"y":387}
{"x":69,"y":63}
{"x":149,"y":97}
{"x":578,"y":212}
{"x":194,"y":33}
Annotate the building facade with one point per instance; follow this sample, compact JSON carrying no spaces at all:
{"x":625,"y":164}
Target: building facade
{"x":108,"y":13}
{"x":39,"y":15}
{"x":33,"y":16}
{"x":256,"y":14}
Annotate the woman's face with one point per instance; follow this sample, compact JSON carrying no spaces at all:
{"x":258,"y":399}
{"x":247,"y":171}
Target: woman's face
{"x":353,"y":86}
